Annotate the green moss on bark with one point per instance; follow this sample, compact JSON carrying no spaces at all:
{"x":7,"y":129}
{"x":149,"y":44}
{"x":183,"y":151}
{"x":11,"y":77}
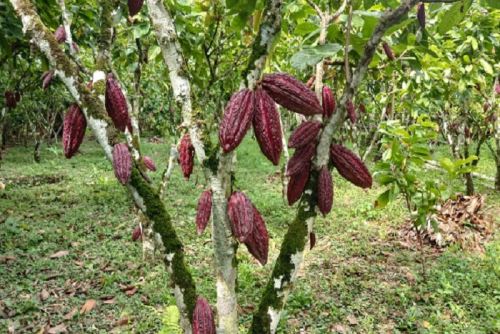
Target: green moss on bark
{"x":162,"y":224}
{"x":293,"y":243}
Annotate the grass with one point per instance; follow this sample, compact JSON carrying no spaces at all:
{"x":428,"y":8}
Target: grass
{"x":359,"y":277}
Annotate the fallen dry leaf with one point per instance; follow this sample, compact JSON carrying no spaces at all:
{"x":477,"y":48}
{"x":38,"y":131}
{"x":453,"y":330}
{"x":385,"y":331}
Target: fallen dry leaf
{"x":123,"y":321}
{"x":59,"y":254}
{"x":88,"y":306}
{"x":70,"y":314}
{"x":109,"y":301}
{"x":61,"y":328}
{"x":352,"y":320}
{"x":44,"y":295}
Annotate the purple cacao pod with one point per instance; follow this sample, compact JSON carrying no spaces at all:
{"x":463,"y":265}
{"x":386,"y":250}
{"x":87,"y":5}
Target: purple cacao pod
{"x":186,"y":155}
{"x":328,"y":102}
{"x":134,"y":6}
{"x":292,"y":94}
{"x":301,"y":158}
{"x":351,"y":111}
{"x":122,"y":163}
{"x":361,"y":108}
{"x":388,"y":51}
{"x":116,"y":104}
{"x":203,"y":211}
{"x":237,"y":119}
{"x":267,"y":126}
{"x":240,"y":212}
{"x":325,"y":190}
{"x":74,"y":126}
{"x":203,"y":318}
{"x":350,"y":166}
{"x":421,"y":15}
{"x":60,"y":34}
{"x":312,"y":240}
{"x":149,"y":163}
{"x":47,"y":79}
{"x":297,"y":184}
{"x":304,"y":134}
{"x":258,"y":241}
{"x":136,"y":233}
{"x":10,"y":99}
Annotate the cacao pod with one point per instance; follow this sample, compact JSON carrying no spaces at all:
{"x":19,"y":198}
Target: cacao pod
{"x":421,"y":15}
{"x":122,"y":163}
{"x":258,"y":241}
{"x":292,"y":94}
{"x":60,"y":34}
{"x":186,"y":155}
{"x":362,"y":108}
{"x":47,"y":79}
{"x":301,"y":158}
{"x":497,"y":88}
{"x":74,"y":126}
{"x":241,"y":215}
{"x":116,"y":104}
{"x":304,"y":134}
{"x":149,"y":163}
{"x":312,"y":240}
{"x":351,"y":111}
{"x":136,"y":233}
{"x":350,"y":166}
{"x":203,"y":318}
{"x":203,"y":211}
{"x":297,"y":184}
{"x":328,"y":102}
{"x":237,"y":119}
{"x":325,"y":190}
{"x":10,"y":99}
{"x":388,"y":51}
{"x":267,"y":126}
{"x":134,"y":6}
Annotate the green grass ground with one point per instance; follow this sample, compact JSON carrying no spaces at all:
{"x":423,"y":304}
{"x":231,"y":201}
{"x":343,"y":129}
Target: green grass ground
{"x":358,"y":279}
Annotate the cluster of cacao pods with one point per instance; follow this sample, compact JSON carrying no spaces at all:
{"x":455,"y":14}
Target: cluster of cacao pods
{"x":258,"y":108}
{"x":248,"y":226}
{"x":116,"y":104}
{"x":10,"y":99}
{"x":74,"y":126}
{"x":203,"y":318}
{"x":122,"y":163}
{"x":186,"y":155}
{"x":134,"y":6}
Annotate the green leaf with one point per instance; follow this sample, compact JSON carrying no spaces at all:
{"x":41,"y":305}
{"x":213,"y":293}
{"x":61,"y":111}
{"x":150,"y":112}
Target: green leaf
{"x":493,"y":3}
{"x":383,"y":199}
{"x":486,"y":66}
{"x":141,"y":29}
{"x":310,"y":56}
{"x":453,"y":16}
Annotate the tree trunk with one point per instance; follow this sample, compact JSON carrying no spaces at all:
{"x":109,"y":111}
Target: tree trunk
{"x":469,"y":182}
{"x":36,"y":153}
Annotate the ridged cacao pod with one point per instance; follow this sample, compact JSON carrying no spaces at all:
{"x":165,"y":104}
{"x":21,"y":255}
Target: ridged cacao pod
{"x":122,"y":163}
{"x":10,"y":99}
{"x":136,"y":233}
{"x":291,"y":94}
{"x":388,"y":51}
{"x":60,"y":34}
{"x":301,"y":158}
{"x":134,"y":6}
{"x":240,"y":212}
{"x":186,"y":155}
{"x":351,"y":111}
{"x":203,"y":318}
{"x":362,"y":108}
{"x":149,"y":163}
{"x":74,"y":126}
{"x":267,"y":127}
{"x":312,"y":240}
{"x":116,"y":104}
{"x":325,"y":191}
{"x":203,"y":211}
{"x":304,"y":134}
{"x":297,"y":184}
{"x":350,"y":166}
{"x":47,"y":79}
{"x":421,"y":15}
{"x":237,"y":119}
{"x":328,"y":102}
{"x":258,"y":241}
